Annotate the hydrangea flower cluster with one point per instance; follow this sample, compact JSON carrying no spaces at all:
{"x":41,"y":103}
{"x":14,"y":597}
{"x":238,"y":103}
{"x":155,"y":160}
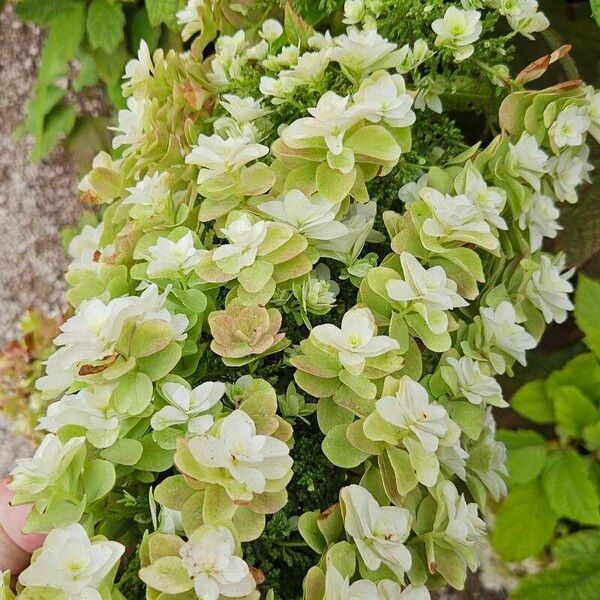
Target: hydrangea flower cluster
{"x":232,"y":255}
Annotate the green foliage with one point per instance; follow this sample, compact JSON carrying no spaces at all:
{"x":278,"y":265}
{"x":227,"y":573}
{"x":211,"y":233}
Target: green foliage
{"x":87,"y":41}
{"x":577,"y":575}
{"x":553,"y":481}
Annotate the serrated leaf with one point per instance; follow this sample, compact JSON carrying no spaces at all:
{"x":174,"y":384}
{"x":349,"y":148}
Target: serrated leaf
{"x":164,"y":11}
{"x":525,"y":523}
{"x":574,"y":411}
{"x":587,"y":311}
{"x":569,"y":489}
{"x":576,"y":578}
{"x":526,"y":453}
{"x":105,"y":22}
{"x":532,"y":401}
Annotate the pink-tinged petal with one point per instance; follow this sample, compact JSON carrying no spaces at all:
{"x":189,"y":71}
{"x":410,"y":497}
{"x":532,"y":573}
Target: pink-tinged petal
{"x":12,"y":519}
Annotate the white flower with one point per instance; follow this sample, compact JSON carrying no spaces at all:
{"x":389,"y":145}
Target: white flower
{"x":188,"y":407}
{"x":410,"y":410}
{"x":73,"y":564}
{"x":456,"y":218}
{"x":491,"y":200}
{"x":243,"y":110}
{"x":526,"y":160}
{"x":340,"y":588}
{"x":466,"y":379}
{"x":258,"y":51}
{"x":501,"y":330}
{"x":271,"y":30}
{"x":428,"y":291}
{"x":385,"y":99}
{"x":92,"y":333}
{"x":354,"y":12}
{"x":149,"y":195}
{"x":492,"y":469}
{"x":319,"y":290}
{"x":313,"y":217}
{"x":245,"y":237}
{"x":287,"y":57}
{"x":216,"y":156}
{"x":167,"y":256}
{"x":209,"y":559}
{"x":33,"y":475}
{"x":363,"y":52}
{"x":131,"y":123}
{"x":541,"y":219}
{"x":570,"y":127}
{"x":280,"y":88}
{"x":309,"y":67}
{"x":410,"y":192}
{"x":522,"y":16}
{"x":462,"y":523}
{"x":567,"y":171}
{"x":321,"y":41}
{"x":378,"y":531}
{"x":359,"y":220}
{"x":429,"y":90}
{"x":139,"y":69}
{"x":190,"y":18}
{"x":90,"y":409}
{"x":412,"y":58}
{"x":85,"y":249}
{"x":252,"y":460}
{"x":457,"y":30}
{"x":593,"y":112}
{"x":357,"y":339}
{"x":330,"y":119}
{"x":549,"y":288}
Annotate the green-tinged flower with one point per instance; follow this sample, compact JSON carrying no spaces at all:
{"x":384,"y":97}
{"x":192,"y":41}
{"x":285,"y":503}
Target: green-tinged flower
{"x":32,"y":476}
{"x":232,"y":455}
{"x":208,"y":565}
{"x":457,"y":31}
{"x":71,"y":563}
{"x":356,"y":340}
{"x":241,"y":333}
{"x":405,"y":417}
{"x":379,"y":532}
{"x":259,"y":255}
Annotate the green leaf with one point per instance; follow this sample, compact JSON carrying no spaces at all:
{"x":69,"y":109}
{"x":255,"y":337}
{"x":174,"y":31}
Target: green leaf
{"x":296,"y":29}
{"x":154,"y":458}
{"x":164,"y":11}
{"x":526,"y":453}
{"x":140,"y":29}
{"x":310,"y":532}
{"x":569,"y":489}
{"x":573,"y":410}
{"x":162,"y":363}
{"x":576,"y":578}
{"x":105,"y":22}
{"x":533,"y":402}
{"x":98,"y":479}
{"x":173,"y":491}
{"x":150,"y":337}
{"x":525,"y":523}
{"x":340,"y":451}
{"x":595,"y":4}
{"x":133,"y":394}
{"x":58,"y":123}
{"x":167,"y":575}
{"x":582,"y":372}
{"x":123,"y":452}
{"x":587,"y":296}
{"x":39,"y":12}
